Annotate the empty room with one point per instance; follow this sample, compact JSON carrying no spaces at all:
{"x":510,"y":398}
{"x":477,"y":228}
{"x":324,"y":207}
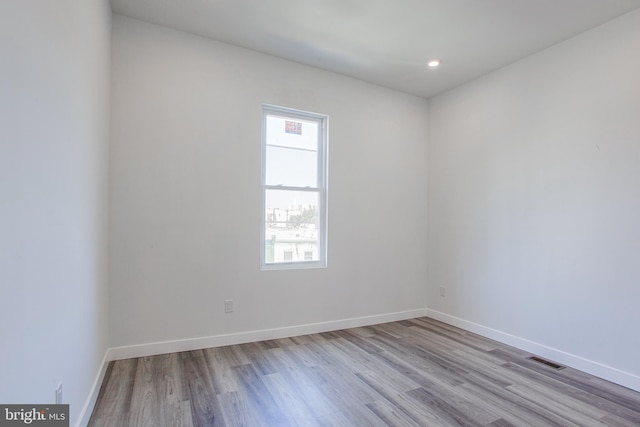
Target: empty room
{"x":320,"y":213}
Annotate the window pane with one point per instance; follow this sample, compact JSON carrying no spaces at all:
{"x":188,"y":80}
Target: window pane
{"x":293,"y":133}
{"x":294,"y":146}
{"x":293,"y":168}
{"x":291,"y":226}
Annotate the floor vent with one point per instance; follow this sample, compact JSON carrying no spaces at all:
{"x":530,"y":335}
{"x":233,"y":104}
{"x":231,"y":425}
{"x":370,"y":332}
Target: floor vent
{"x":546,"y":362}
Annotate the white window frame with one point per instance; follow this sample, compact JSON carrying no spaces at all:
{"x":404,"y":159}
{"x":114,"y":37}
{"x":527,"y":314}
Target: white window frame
{"x":321,"y":189}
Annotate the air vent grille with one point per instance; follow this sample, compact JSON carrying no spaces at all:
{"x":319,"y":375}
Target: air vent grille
{"x":546,"y":362}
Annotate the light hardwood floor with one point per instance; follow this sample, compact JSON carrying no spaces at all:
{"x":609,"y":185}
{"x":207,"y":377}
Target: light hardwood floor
{"x":416,"y":372}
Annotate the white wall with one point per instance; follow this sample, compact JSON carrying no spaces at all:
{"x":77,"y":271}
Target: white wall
{"x":534,"y":200}
{"x":185,"y":191}
{"x":54,"y":89}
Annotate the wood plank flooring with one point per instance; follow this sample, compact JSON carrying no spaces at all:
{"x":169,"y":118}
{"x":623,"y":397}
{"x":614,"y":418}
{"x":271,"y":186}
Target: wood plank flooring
{"x":416,"y":372}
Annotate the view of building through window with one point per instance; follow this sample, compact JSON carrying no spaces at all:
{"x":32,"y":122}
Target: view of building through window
{"x":293,"y":162}
{"x":291,"y":232}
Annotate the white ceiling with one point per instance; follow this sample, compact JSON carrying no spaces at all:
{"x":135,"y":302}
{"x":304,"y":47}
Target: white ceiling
{"x":386,"y":42}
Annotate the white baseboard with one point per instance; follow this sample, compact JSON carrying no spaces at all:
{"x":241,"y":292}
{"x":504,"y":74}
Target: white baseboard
{"x":87,"y":409}
{"x":608,"y":373}
{"x":150,"y":349}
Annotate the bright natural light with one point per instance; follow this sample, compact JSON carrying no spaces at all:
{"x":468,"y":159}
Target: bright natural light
{"x":294,"y":188}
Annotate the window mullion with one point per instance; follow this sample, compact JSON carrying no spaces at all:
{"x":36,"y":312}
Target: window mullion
{"x":289,"y":188}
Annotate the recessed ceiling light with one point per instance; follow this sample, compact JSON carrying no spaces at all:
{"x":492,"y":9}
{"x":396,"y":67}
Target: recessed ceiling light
{"x":433,"y":63}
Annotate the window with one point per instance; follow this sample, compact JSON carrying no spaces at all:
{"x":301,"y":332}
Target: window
{"x":294,"y":190}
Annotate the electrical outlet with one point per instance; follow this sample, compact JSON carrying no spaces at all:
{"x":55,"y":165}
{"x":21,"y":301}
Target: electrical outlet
{"x":59,"y":394}
{"x":443,"y":291}
{"x":228,"y":306}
